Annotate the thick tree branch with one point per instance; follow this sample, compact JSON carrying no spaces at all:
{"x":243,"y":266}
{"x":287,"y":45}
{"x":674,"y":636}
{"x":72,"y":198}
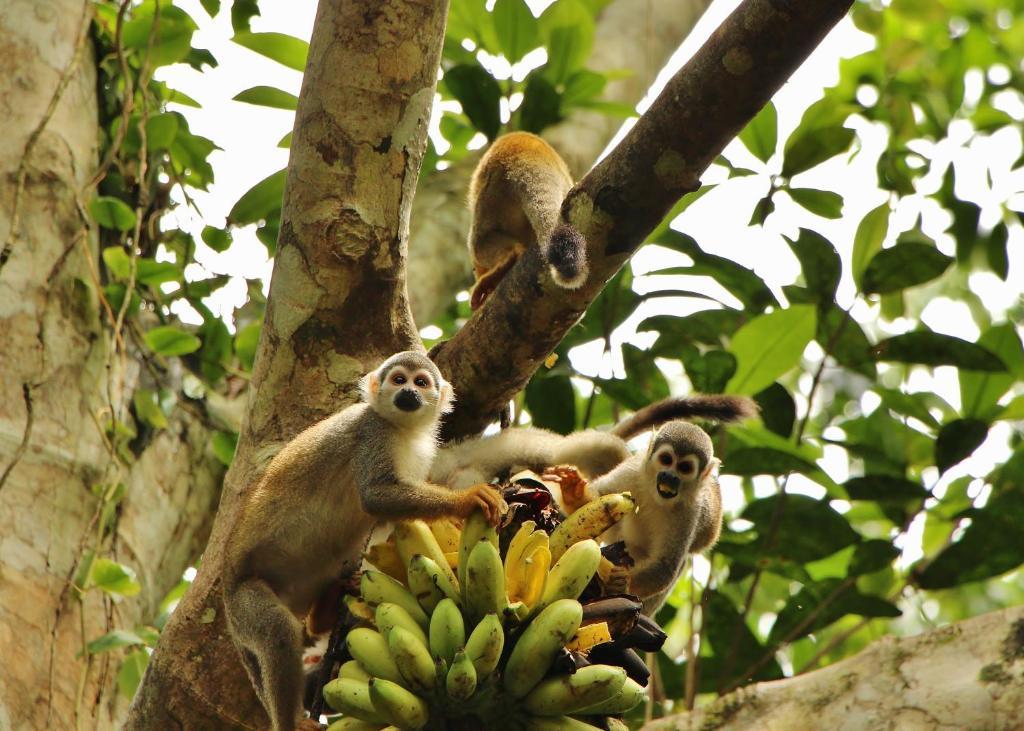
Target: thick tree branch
{"x":337,"y":304}
{"x":622,"y":199}
{"x":964,"y":675}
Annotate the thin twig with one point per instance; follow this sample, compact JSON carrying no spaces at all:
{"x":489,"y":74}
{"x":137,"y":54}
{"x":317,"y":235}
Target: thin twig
{"x":26,"y":434}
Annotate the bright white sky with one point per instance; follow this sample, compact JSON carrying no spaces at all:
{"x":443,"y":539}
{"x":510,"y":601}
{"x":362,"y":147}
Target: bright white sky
{"x":249,"y":134}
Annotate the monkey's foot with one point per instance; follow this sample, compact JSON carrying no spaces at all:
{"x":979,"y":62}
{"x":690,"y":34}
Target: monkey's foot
{"x":618,"y":580}
{"x":572,"y":484}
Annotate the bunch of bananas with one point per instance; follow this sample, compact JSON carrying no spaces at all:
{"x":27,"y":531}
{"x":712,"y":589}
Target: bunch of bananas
{"x":453,"y":636}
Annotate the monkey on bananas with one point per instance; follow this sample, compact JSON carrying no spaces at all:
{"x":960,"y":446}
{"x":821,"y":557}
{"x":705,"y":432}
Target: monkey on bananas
{"x":515,"y":199}
{"x":306,"y":520}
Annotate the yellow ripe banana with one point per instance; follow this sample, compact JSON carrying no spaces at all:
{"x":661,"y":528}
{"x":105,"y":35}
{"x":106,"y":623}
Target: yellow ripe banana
{"x":414,"y":537}
{"x":359,"y":609}
{"x":475,"y":529}
{"x":604,"y":570}
{"x":348,"y":723}
{"x":570,"y":576}
{"x":589,"y":636}
{"x":397,"y":705}
{"x":412,"y":659}
{"x":377,"y":588}
{"x":485,"y":581}
{"x":447,"y":532}
{"x":422,"y":566}
{"x":370,"y":649}
{"x":591,"y":520}
{"x":514,"y":553}
{"x":353,"y":671}
{"x":391,"y":615}
{"x":629,"y":696}
{"x":447,"y":631}
{"x":526,"y":566}
{"x":461,"y":681}
{"x":484,"y":646}
{"x":351,"y":697}
{"x":538,"y":645}
{"x":384,"y":556}
{"x":569,"y":693}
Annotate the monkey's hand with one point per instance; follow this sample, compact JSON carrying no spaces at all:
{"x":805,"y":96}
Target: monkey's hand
{"x":308,"y":724}
{"x":618,"y":580}
{"x":572,"y":484}
{"x":481,"y":497}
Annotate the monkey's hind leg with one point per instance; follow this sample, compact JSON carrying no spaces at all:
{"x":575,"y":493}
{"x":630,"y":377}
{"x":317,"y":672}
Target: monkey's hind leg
{"x":270,"y":641}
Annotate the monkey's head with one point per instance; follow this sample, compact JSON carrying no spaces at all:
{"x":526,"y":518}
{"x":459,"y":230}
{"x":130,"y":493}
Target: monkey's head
{"x":679,"y":459}
{"x":407,"y":389}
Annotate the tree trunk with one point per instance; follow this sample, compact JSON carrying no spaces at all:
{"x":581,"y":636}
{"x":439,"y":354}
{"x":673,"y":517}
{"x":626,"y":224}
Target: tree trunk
{"x":963,"y":676}
{"x":337,"y":305}
{"x":56,"y":364}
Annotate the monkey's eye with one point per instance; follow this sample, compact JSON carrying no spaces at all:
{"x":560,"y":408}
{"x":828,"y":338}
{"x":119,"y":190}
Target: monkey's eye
{"x":687,"y":467}
{"x":422,"y":381}
{"x":398,"y":379}
{"x":665,"y":458}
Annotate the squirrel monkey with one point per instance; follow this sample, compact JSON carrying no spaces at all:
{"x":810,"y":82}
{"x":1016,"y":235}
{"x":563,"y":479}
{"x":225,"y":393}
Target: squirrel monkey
{"x":515,"y":198}
{"x":306,"y":520}
{"x":676,"y":489}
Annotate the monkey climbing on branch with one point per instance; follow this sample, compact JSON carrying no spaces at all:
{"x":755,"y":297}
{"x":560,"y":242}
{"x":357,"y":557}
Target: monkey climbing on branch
{"x":305,"y":522}
{"x":515,"y":199}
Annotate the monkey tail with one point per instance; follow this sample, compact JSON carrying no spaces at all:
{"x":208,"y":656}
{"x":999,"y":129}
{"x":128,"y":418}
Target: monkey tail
{"x":726,"y":409}
{"x":566,"y":255}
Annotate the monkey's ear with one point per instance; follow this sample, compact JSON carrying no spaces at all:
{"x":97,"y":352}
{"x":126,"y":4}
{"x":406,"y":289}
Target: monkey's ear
{"x":369,"y":385}
{"x":447,"y":400}
{"x":713,"y":464}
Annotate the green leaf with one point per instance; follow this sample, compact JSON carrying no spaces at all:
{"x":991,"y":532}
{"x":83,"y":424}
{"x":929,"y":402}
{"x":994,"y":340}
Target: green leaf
{"x":764,"y":208}
{"x":516,"y":29}
{"x":980,"y":392}
{"x":872,"y":556}
{"x":883,"y":488}
{"x":112,"y":213}
{"x":130,"y":674}
{"x":761,"y":135}
{"x":567,"y":29}
{"x":216,"y":238}
{"x":734,"y":643}
{"x":842,"y":338}
{"x":552,"y":402}
{"x":242,"y":13}
{"x":819,"y":136}
{"x":916,"y":405}
{"x":147,"y":408}
{"x":778,"y":410}
{"x":117,"y":262}
{"x":285,"y":142}
{"x":113,"y":578}
{"x":807,"y":610}
{"x":169,"y":340}
{"x":161,"y":130}
{"x":933,"y":349}
{"x":989,"y":546}
{"x":805,"y":530}
{"x":996,"y":252}
{"x":643,"y":384}
{"x":820,"y":263}
{"x":285,"y":49}
{"x":114,"y":640}
{"x":902,"y":266}
{"x":154,"y":273}
{"x":257,"y":203}
{"x":868,"y":240}
{"x":246,"y":340}
{"x":750,"y":461}
{"x":705,"y":327}
{"x":957,"y":440}
{"x":768,"y":346}
{"x":710,"y":371}
{"x":479,"y":94}
{"x":268,"y":96}
{"x":172,"y":35}
{"x":212,"y":7}
{"x":541,"y":105}
{"x":823,"y":203}
{"x":583,"y":85}
{"x":224,"y":445}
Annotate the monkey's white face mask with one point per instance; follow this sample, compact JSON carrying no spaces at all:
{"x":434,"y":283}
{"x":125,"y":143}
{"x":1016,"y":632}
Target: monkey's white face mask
{"x":407,"y":395}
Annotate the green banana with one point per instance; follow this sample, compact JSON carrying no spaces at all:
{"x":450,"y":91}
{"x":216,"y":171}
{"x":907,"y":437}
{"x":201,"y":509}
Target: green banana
{"x":570,"y":576}
{"x":391,"y":615}
{"x":353,"y":670}
{"x":569,"y":693}
{"x":414,"y":537}
{"x":590,"y":521}
{"x":630,"y":696}
{"x":461,"y":680}
{"x":485,"y":644}
{"x":475,"y":529}
{"x":351,"y":697}
{"x":397,"y":705}
{"x":348,"y":723}
{"x":485,"y":581}
{"x":447,"y":631}
{"x":427,"y":580}
{"x":377,"y":588}
{"x":370,"y":649}
{"x":539,"y":644}
{"x":412,"y":659}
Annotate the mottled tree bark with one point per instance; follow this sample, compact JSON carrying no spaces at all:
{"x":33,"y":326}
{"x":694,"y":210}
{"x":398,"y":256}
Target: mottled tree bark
{"x":337,"y":304}
{"x":628,"y":193}
{"x":638,"y":35}
{"x":53,"y":398}
{"x":963,"y":676}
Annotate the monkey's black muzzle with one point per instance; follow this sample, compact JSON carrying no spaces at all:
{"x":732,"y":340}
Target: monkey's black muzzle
{"x":668,"y":484}
{"x":408,"y":400}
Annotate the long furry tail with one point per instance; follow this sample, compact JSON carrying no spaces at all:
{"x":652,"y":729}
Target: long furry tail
{"x":726,"y":409}
{"x":566,"y":255}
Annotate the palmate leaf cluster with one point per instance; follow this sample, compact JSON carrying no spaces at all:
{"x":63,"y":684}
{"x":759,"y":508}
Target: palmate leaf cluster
{"x":859,"y":514}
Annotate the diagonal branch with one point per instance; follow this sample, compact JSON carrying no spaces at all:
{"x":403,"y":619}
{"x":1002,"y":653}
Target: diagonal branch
{"x":622,"y":199}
